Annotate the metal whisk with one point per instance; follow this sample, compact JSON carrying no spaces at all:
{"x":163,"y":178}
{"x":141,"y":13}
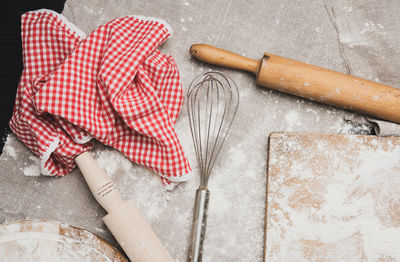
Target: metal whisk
{"x":212,"y":103}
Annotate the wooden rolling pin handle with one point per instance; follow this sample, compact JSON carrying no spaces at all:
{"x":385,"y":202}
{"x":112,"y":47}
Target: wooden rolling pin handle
{"x":217,"y":56}
{"x":124,"y":219}
{"x":99,"y":182}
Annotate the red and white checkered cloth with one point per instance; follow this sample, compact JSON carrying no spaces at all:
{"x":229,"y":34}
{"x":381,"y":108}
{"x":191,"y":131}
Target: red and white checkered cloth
{"x":114,"y":86}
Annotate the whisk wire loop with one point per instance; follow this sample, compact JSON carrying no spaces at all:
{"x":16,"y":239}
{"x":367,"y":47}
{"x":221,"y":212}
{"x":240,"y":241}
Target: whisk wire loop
{"x":212,"y":103}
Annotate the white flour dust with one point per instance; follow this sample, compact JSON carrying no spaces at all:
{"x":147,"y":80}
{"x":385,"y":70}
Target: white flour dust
{"x":344,"y":209}
{"x":8,"y":148}
{"x":292,"y":119}
{"x":47,"y":241}
{"x":34,"y":168}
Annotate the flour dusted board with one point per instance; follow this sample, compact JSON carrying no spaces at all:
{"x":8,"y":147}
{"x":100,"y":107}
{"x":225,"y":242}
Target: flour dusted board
{"x":333,"y":198}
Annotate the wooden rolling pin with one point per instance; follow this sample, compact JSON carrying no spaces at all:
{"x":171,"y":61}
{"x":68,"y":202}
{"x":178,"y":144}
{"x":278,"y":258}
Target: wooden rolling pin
{"x":312,"y":82}
{"x":124,"y":219}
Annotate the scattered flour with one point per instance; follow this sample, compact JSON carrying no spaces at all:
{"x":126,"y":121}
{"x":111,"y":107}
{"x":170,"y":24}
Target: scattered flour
{"x":348,"y":8}
{"x":344,"y":209}
{"x":292,"y":118}
{"x":8,"y":148}
{"x":34,"y":168}
{"x":366,"y":34}
{"x":111,"y":161}
{"x":42,"y":241}
{"x":351,"y":128}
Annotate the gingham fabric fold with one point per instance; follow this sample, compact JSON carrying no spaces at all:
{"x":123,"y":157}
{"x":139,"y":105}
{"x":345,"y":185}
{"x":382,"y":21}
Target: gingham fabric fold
{"x":114,"y":85}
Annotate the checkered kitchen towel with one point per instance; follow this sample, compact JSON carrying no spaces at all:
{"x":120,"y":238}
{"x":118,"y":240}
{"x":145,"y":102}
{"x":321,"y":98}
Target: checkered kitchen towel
{"x":113,"y":85}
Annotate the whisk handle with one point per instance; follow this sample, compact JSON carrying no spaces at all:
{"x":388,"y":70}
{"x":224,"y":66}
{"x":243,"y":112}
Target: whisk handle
{"x":199,"y":225}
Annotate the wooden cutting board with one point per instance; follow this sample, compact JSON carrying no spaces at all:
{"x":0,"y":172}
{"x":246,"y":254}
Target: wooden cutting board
{"x":333,"y":198}
{"x":44,"y":240}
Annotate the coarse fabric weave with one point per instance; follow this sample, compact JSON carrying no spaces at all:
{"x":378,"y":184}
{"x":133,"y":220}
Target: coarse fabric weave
{"x":114,"y":86}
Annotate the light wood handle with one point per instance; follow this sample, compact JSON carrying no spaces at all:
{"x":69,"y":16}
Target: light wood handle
{"x":124,"y":220}
{"x":217,"y":56}
{"x":99,"y":182}
{"x":311,"y":82}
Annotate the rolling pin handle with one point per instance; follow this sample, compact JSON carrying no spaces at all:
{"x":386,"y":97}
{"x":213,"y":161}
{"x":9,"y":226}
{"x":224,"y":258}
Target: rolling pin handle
{"x":217,"y":56}
{"x":99,"y":182}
